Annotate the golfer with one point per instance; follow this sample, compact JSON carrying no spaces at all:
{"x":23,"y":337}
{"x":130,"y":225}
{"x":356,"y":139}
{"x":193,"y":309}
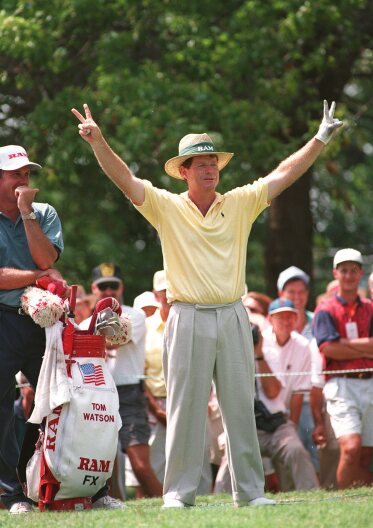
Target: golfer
{"x":204,"y":239}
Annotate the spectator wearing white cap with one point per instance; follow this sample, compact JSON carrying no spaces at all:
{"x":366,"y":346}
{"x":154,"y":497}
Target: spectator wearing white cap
{"x":285,"y":351}
{"x":146,"y":302}
{"x":30,"y":243}
{"x":343,"y":327}
{"x":293,"y":283}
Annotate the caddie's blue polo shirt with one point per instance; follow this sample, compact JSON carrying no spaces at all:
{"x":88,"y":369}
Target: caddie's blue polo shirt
{"x":14,"y":249}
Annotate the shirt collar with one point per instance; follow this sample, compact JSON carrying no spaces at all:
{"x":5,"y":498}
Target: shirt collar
{"x":218,"y":198}
{"x":3,"y":215}
{"x":344,"y":302}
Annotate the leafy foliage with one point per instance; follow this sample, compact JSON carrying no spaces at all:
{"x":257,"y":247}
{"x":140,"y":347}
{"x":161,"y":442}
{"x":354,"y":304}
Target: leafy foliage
{"x":251,"y":73}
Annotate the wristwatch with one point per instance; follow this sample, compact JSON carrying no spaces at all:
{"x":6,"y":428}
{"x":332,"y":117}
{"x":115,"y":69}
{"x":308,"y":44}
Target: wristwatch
{"x":29,"y":216}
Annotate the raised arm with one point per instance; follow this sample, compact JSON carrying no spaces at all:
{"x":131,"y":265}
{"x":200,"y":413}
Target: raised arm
{"x":112,"y":165}
{"x":293,"y":167}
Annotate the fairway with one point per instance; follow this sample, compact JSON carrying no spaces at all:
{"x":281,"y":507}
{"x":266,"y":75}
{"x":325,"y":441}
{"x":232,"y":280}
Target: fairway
{"x":317,"y":509}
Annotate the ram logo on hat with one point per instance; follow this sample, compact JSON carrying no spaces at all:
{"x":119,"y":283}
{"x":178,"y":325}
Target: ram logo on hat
{"x":13,"y":157}
{"x":193,"y":145}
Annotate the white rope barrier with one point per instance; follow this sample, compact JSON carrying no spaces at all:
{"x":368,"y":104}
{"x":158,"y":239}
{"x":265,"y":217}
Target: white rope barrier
{"x":261,"y":375}
{"x":281,"y":374}
{"x":322,"y":373}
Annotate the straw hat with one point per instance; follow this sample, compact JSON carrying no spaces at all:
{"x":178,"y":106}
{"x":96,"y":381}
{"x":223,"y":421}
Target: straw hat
{"x":195,"y":145}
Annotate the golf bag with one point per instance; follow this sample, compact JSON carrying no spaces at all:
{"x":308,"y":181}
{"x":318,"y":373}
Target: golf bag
{"x":77,"y":447}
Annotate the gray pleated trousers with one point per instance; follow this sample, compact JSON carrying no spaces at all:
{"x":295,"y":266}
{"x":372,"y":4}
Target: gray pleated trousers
{"x":202,"y":343}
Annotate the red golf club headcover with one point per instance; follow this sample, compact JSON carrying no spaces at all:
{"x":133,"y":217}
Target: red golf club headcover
{"x":55,"y":286}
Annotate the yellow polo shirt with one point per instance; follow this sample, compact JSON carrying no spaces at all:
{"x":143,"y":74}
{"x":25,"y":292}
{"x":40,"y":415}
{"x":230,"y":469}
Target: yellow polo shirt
{"x":204,"y":256}
{"x":153,"y":354}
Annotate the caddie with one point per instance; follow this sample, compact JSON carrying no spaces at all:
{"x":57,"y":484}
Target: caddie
{"x":30,"y":243}
{"x":204,"y":240}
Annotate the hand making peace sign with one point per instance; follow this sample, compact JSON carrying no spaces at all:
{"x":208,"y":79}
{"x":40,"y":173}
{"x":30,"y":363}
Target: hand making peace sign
{"x":329,"y":124}
{"x":88,"y":129}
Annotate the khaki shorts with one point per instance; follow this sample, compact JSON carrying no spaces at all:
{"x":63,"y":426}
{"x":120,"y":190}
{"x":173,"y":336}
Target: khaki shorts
{"x":350,"y":406}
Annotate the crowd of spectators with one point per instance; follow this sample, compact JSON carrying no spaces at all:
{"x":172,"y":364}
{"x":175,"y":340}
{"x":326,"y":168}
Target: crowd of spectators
{"x":305,"y":443}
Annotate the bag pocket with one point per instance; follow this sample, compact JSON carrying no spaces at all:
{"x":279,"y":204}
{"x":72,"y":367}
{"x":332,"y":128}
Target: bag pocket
{"x":33,"y":475}
{"x":82,"y":435}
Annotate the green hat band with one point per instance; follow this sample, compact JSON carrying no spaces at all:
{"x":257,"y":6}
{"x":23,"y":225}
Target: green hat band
{"x":198,"y":148}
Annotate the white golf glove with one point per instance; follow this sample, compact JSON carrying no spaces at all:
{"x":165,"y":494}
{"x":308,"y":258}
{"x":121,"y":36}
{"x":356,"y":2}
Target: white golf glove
{"x":329,"y":124}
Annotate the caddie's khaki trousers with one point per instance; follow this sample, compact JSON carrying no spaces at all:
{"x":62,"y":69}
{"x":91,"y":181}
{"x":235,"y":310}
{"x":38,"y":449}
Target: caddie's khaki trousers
{"x":201,"y":343}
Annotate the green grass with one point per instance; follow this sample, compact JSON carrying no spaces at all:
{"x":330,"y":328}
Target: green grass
{"x":317,"y":509}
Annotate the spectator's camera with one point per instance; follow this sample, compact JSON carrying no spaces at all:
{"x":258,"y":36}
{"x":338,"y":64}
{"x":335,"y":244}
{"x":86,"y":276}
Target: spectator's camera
{"x":255,"y":331}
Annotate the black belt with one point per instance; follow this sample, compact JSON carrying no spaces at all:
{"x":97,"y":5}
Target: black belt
{"x":11,"y":309}
{"x":356,"y":375}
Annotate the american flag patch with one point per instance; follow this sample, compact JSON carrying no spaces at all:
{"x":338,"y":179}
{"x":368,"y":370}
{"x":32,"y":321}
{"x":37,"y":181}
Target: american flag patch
{"x":92,"y":374}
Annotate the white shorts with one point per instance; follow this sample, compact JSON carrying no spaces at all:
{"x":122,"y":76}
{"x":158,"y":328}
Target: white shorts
{"x":349,"y":403}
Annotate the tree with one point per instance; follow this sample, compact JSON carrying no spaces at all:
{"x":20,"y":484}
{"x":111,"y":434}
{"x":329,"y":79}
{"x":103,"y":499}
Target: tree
{"x":251,"y":73}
